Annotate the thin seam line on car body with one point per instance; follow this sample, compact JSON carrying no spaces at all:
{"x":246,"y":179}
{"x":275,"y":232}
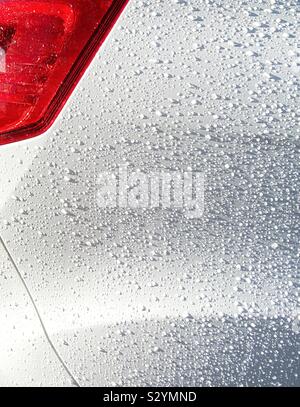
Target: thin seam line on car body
{"x":74,"y":381}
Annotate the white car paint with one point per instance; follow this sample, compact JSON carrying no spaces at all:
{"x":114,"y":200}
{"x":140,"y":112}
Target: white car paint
{"x":27,"y":359}
{"x":151,"y":297}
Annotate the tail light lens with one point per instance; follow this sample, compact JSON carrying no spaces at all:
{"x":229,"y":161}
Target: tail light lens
{"x":45,"y":47}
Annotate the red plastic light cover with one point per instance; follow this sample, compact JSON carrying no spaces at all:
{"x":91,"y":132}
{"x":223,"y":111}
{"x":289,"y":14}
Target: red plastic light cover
{"x":45,"y":48}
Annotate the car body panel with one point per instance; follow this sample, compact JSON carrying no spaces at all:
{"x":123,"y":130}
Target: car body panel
{"x":151,"y":297}
{"x":26,"y":357}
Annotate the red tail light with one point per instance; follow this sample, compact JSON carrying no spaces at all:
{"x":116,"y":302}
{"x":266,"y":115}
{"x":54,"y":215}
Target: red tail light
{"x":45,"y":47}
